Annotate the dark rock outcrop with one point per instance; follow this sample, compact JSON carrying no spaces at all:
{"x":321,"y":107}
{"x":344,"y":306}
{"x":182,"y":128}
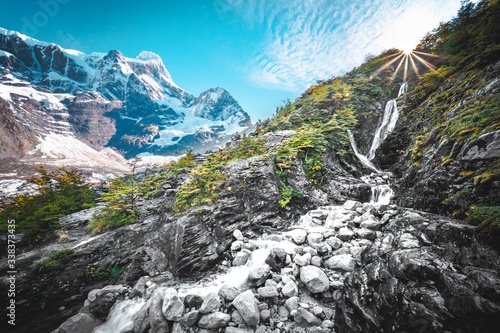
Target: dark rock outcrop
{"x":425,"y":274}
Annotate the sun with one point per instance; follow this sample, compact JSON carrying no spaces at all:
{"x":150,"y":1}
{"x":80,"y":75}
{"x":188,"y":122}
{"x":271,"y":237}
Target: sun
{"x":407,"y":58}
{"x":407,"y":50}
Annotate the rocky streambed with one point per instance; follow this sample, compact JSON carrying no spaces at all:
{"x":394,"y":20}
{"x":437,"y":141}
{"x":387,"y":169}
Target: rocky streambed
{"x":358,"y":267}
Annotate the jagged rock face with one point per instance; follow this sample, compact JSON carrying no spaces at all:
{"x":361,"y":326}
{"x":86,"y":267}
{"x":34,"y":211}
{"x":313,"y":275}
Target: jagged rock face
{"x":16,"y":140}
{"x":108,"y":100}
{"x":425,"y":274}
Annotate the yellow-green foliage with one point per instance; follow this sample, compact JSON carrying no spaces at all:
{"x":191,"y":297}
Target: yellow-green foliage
{"x":416,"y":152}
{"x":203,"y":187}
{"x":248,"y":147}
{"x":309,"y":145}
{"x":476,"y":117}
{"x":488,"y":176}
{"x":50,"y":261}
{"x":121,"y":200}
{"x":206,"y":178}
{"x":154,"y":182}
{"x":186,"y":162}
{"x":487,"y":220}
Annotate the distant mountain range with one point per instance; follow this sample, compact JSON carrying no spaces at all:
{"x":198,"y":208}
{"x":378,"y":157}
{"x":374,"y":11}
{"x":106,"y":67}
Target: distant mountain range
{"x":59,"y":104}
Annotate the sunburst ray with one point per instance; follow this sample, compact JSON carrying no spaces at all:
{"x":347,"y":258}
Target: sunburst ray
{"x":413,"y":64}
{"x":388,"y":64}
{"x":425,"y":62}
{"x":406,"y":68}
{"x":427,"y":54}
{"x":397,"y":70}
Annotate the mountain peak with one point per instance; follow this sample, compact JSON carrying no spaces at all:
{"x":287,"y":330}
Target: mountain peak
{"x":114,"y":55}
{"x":148,"y":56}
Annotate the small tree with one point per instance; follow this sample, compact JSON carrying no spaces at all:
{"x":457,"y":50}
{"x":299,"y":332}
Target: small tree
{"x":60,"y":192}
{"x":121,"y":202}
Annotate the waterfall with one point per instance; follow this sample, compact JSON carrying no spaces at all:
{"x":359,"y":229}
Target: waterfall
{"x":389,"y":121}
{"x":381,"y":195}
{"x":388,"y":124}
{"x":362,"y":158}
{"x":121,"y":317}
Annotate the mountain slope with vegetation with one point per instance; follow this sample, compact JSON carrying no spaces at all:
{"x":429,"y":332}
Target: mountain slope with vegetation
{"x":389,"y":267}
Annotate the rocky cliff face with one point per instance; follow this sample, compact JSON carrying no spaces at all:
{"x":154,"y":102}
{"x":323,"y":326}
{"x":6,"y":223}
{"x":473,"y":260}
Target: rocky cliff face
{"x":108,"y":100}
{"x":16,"y":140}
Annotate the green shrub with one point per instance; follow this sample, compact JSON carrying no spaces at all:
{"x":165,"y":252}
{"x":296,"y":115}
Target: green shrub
{"x":60,"y":193}
{"x":121,"y":200}
{"x":50,"y":261}
{"x":203,"y":187}
{"x":487,"y":220}
{"x":97,"y":274}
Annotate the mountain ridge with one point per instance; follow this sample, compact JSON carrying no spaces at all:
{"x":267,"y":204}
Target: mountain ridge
{"x":108,"y":100}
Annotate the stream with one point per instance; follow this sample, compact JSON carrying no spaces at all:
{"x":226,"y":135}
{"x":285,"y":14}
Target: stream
{"x":122,"y":315}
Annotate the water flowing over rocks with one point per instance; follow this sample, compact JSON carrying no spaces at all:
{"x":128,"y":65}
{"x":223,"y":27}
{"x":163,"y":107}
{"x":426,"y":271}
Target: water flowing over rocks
{"x":416,"y":272}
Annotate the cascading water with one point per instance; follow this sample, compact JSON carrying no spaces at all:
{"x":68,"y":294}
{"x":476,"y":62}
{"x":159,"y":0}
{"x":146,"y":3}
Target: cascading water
{"x":381,"y":194}
{"x":389,"y":120}
{"x":364,"y":160}
{"x":122,"y":315}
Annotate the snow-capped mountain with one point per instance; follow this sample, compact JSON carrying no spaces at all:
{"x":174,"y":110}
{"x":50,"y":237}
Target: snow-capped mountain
{"x":104,"y":100}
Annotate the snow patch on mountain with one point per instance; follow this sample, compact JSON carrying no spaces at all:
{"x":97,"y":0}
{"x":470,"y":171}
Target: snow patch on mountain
{"x":23,"y":88}
{"x":67,"y":150}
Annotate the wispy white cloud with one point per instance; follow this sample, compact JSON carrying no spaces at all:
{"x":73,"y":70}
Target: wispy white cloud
{"x":308,"y":40}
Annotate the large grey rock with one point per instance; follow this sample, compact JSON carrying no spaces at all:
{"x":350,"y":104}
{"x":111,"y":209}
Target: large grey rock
{"x":140,"y":287}
{"x":211,"y":303}
{"x":79,"y":323}
{"x":157,"y":320}
{"x":193,"y":301}
{"x":302,"y":260}
{"x":228,"y":292}
{"x":487,"y":146}
{"x":191,"y":318}
{"x":268,"y":292}
{"x":345,"y":234}
{"x":305,"y":317}
{"x":173,"y":307}
{"x":292,"y":303}
{"x":290,"y":289}
{"x":408,"y":241}
{"x":238,"y":235}
{"x":343,"y":262}
{"x":334,"y":242}
{"x":259,"y":274}
{"x":371,"y":224}
{"x":314,"y":238}
{"x":240,"y":258}
{"x":314,"y":279}
{"x":247,"y":307}
{"x":366,"y":234}
{"x":214,"y":320}
{"x":299,"y":236}
{"x":103,"y":300}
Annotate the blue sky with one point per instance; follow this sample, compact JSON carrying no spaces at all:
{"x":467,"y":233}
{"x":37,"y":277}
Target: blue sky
{"x":262,"y":52}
